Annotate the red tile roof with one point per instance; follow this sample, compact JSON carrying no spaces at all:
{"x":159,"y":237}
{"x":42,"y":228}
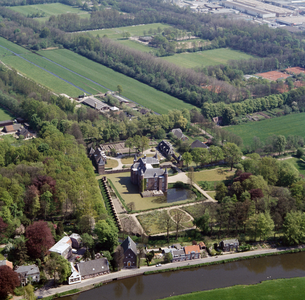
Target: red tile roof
{"x":190,"y":249}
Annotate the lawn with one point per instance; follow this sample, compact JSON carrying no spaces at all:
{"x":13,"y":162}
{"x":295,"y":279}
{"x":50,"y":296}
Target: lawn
{"x":1,"y":255}
{"x":153,"y":223}
{"x":136,"y":45}
{"x":48,"y":10}
{"x":196,"y":210}
{"x":186,"y":220}
{"x":206,"y":58}
{"x":111,"y":163}
{"x":212,"y":194}
{"x":132,"y":89}
{"x":135,"y":30}
{"x":280,"y":289}
{"x":292,"y":124}
{"x":219,"y":174}
{"x":5,"y":115}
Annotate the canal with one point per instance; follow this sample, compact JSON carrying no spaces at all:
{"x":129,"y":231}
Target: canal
{"x":163,"y":285}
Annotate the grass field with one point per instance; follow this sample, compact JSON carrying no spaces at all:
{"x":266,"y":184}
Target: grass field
{"x":111,"y":163}
{"x":132,"y":89}
{"x":48,"y":9}
{"x":206,"y":58}
{"x":5,"y":115}
{"x":136,"y":45}
{"x":218,"y":174}
{"x":292,"y":124}
{"x":280,"y":289}
{"x":116,"y":33}
{"x":11,"y":46}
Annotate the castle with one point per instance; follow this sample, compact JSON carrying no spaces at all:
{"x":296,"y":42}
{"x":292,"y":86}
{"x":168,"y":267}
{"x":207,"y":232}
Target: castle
{"x":146,"y":173}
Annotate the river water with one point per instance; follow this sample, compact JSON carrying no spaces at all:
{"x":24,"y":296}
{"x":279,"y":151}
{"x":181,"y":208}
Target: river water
{"x":156,"y":286}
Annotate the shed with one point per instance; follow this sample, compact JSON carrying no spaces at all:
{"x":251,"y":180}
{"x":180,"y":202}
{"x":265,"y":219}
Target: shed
{"x":6,"y":123}
{"x":177,"y":132}
{"x":76,"y":240}
{"x":198,"y":144}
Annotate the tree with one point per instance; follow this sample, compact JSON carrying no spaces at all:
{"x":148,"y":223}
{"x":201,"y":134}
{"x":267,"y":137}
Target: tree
{"x":149,"y":256}
{"x":107,"y":234}
{"x":166,"y":223}
{"x":120,"y":89}
{"x":129,"y":143}
{"x":87,"y":240}
{"x":187,"y":158}
{"x":39,"y":239}
{"x":232,"y":154}
{"x":144,"y":142}
{"x":203,"y":222}
{"x":221,"y":191}
{"x":294,"y":228}
{"x":28,"y":292}
{"x":265,"y":225}
{"x":178,"y":217}
{"x":19,"y":252}
{"x":8,"y":281}
{"x":216,"y":153}
{"x":3,"y":227}
{"x":58,"y":266}
{"x":118,"y":257}
{"x":279,"y":144}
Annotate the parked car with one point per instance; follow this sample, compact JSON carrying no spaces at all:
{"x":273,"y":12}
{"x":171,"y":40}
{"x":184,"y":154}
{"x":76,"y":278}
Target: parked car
{"x":158,"y":265}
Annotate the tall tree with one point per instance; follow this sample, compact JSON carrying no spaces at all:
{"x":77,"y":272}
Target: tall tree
{"x":39,"y":239}
{"x":107,"y":234}
{"x":187,"y":158}
{"x":28,"y":292}
{"x":8,"y":281}
{"x":232,"y":154}
{"x":58,"y":267}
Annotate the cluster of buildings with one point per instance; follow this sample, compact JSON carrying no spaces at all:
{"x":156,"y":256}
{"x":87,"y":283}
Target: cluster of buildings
{"x":99,"y":159}
{"x":18,"y":127}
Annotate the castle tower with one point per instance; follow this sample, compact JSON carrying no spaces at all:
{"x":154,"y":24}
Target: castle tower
{"x":141,"y":182}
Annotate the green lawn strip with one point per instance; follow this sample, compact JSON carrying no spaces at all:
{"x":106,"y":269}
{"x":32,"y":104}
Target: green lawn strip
{"x":292,"y":124}
{"x":11,"y":46}
{"x":212,"y":194}
{"x":136,"y":91}
{"x":292,"y":288}
{"x":42,"y":77}
{"x":5,"y":115}
{"x":48,"y":9}
{"x":74,"y":291}
{"x":117,"y":194}
{"x":206,"y":58}
{"x":219,"y":174}
{"x":136,"y":45}
{"x":138,"y":30}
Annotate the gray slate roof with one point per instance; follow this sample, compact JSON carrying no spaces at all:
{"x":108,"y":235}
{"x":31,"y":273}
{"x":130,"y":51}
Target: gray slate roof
{"x":129,"y":244}
{"x":92,"y":267}
{"x":232,"y":241}
{"x":198,"y":144}
{"x":178,"y":253}
{"x":178,"y":133}
{"x":95,"y":103}
{"x":145,"y":165}
{"x":27,"y":270}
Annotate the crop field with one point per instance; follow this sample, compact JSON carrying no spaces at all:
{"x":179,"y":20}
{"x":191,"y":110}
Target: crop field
{"x":4,"y":115}
{"x":132,"y":89}
{"x":136,"y":30}
{"x":292,"y":124}
{"x":206,"y":58}
{"x":48,"y":10}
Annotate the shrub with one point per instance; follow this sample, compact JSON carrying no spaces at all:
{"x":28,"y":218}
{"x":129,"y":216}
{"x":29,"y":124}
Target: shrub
{"x":299,"y":153}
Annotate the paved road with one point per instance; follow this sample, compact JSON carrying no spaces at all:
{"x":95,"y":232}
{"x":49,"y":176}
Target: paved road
{"x":134,"y":272}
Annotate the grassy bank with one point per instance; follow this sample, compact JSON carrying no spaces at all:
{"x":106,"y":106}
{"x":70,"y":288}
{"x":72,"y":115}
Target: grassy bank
{"x":292,"y":288}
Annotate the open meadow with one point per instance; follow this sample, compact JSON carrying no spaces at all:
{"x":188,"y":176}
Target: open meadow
{"x":11,"y":46}
{"x":206,"y":58}
{"x":219,"y":174}
{"x":292,"y":124}
{"x":134,"y":90}
{"x":47,"y":10}
{"x":5,"y":115}
{"x":279,"y":289}
{"x":135,"y":30}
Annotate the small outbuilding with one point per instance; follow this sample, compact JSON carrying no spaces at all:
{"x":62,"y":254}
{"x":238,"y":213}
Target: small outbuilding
{"x":76,"y":240}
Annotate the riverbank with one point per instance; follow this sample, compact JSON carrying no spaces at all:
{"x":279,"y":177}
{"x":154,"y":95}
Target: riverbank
{"x":126,"y":273}
{"x":279,"y":289}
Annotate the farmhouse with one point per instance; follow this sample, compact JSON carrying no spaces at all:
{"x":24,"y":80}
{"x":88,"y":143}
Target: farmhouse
{"x":25,"y":133}
{"x":198,"y":144}
{"x":92,"y":268}
{"x":12,"y":128}
{"x":24,"y":272}
{"x":166,"y":148}
{"x":6,"y":123}
{"x":229,"y":245}
{"x":147,"y":175}
{"x":177,"y":132}
{"x":192,"y":252}
{"x":96,"y":104}
{"x":130,"y":253}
